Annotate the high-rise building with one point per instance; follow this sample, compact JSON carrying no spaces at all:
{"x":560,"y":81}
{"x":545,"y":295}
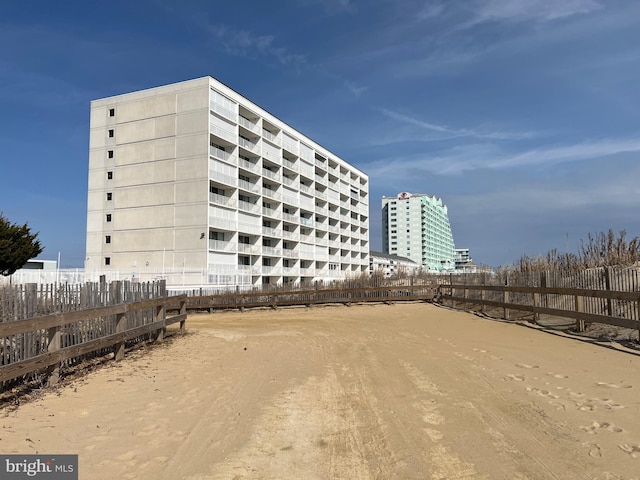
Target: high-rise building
{"x":417,"y":227}
{"x":195,"y":183}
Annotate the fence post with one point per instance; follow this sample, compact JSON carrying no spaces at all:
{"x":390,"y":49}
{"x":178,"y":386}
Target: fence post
{"x":536,"y":303}
{"x":54,"y":342}
{"x":579,"y":308}
{"x":160,"y":316}
{"x":482,"y":292}
{"x":183,"y":311}
{"x":505,"y":298}
{"x":464,"y":295}
{"x":451,"y":290}
{"x":121,"y":319}
{"x":607,"y":283}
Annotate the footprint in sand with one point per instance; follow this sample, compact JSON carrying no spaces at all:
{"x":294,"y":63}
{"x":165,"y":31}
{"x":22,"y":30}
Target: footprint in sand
{"x":594,"y":450}
{"x":557,"y":375}
{"x":517,"y":378}
{"x":632,"y":450}
{"x":611,"y":385}
{"x":542,"y":392}
{"x":524,"y":365}
{"x":596,"y":427}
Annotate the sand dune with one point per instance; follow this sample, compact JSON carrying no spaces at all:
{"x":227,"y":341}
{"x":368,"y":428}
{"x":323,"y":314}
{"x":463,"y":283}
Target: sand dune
{"x":361,"y":392}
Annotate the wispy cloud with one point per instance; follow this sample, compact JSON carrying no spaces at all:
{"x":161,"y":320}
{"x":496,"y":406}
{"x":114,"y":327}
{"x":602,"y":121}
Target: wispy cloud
{"x":465,"y":158}
{"x":528,"y":10}
{"x":447,"y":132}
{"x":334,"y":6}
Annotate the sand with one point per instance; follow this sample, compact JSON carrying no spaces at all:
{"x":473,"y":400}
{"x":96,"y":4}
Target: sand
{"x":404,"y":391}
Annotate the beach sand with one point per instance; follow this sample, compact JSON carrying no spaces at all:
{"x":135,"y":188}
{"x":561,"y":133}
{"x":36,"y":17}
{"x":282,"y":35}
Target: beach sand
{"x":404,"y":391}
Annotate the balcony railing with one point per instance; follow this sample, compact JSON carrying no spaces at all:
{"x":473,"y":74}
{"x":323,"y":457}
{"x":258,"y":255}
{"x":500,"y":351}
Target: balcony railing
{"x":272,"y":175}
{"x":288,"y":181}
{"x":289,"y":253}
{"x":248,"y":206}
{"x":270,"y":136}
{"x":248,"y":144}
{"x":221,"y":200}
{"x":271,"y":270}
{"x":219,"y":153}
{"x":290,"y":271}
{"x":251,"y":187}
{"x":290,"y":146}
{"x":290,"y":235}
{"x":321,"y":195}
{"x":290,"y":217}
{"x":248,"y":124}
{"x":306,"y":188}
{"x":306,"y":221}
{"x":252,"y":167}
{"x":270,"y":212}
{"x":222,"y":223}
{"x":248,"y":248}
{"x":290,"y":165}
{"x":225,"y":112}
{"x":268,"y":192}
{"x":221,"y":245}
{"x":273,"y":251}
{"x":272,"y":232}
{"x":222,"y":133}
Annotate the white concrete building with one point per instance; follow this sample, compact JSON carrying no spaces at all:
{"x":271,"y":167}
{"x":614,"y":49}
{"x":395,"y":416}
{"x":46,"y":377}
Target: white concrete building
{"x":194,"y":183}
{"x":417,"y":226}
{"x":389,"y":265}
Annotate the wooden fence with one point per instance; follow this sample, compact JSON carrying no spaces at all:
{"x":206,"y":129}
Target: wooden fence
{"x":290,"y":296}
{"x":607,"y":296}
{"x":46,"y":340}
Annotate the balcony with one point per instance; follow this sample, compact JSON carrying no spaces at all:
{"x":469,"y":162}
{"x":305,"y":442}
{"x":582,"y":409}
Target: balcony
{"x":248,"y":144}
{"x":277,"y":176}
{"x":248,"y":206}
{"x":222,"y":223}
{"x":222,"y":133}
{"x":270,"y":212}
{"x":290,"y":165}
{"x":249,"y":249}
{"x":248,"y":124}
{"x":219,"y":153}
{"x":321,"y":180}
{"x":308,"y":271}
{"x":221,"y":200}
{"x":273,"y":138}
{"x":221,"y":245}
{"x":289,"y":182}
{"x":290,"y":271}
{"x":267,"y":192}
{"x":248,"y":186}
{"x":250,"y":166}
{"x":290,"y":235}
{"x":321,"y":195}
{"x":266,"y":270}
{"x":306,"y":221}
{"x":223,"y":111}
{"x":289,"y":145}
{"x":290,"y":217}
{"x":271,"y":232}
{"x":272,"y":251}
{"x":289,"y":253}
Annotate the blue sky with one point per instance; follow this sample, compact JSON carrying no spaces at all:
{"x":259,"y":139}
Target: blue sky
{"x":523,"y":115}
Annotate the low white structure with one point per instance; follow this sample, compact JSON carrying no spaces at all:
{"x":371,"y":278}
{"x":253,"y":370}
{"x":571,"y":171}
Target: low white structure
{"x":390,"y":265}
{"x":463,"y":261}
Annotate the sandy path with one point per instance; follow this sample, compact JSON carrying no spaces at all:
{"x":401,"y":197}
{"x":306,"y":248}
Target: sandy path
{"x":366,"y":392}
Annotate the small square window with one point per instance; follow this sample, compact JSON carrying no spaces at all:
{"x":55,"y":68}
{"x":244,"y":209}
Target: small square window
{"x":109,"y":175}
{"x":108,"y":217}
{"x":111,"y":133}
{"x":107,"y":239}
{"x":109,"y":196}
{"x":110,"y":154}
{"x":112,"y":112}
{"x":107,"y":260}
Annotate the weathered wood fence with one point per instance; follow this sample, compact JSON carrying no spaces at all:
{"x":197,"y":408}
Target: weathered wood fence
{"x":347,"y":294}
{"x":594,"y":299}
{"x":48,"y":341}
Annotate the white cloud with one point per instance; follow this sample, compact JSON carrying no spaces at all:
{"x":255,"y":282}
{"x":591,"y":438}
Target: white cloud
{"x":448,"y":132}
{"x":466,"y":158}
{"x":538,"y":10}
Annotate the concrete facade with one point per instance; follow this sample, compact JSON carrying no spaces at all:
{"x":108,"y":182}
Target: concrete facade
{"x":193,"y":180}
{"x":417,"y":227}
{"x":390,"y":265}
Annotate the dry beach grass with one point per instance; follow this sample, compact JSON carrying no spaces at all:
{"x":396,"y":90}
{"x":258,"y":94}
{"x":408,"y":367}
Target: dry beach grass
{"x":362,"y":392}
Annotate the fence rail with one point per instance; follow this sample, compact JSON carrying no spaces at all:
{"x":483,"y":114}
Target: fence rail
{"x":293,"y":297}
{"x":563,"y":302}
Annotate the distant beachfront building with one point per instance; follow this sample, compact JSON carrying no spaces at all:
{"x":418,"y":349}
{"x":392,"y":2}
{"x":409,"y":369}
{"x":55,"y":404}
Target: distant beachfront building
{"x":417,"y":227}
{"x":389,"y":265}
{"x":194,"y":183}
{"x":463,"y":261}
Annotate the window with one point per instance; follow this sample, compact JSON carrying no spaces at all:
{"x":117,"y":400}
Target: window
{"x":110,"y":154}
{"x":109,"y":196}
{"x":109,"y":175}
{"x":111,"y":133}
{"x":107,"y":260}
{"x":107,"y":239}
{"x":108,"y":217}
{"x":112,"y":112}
